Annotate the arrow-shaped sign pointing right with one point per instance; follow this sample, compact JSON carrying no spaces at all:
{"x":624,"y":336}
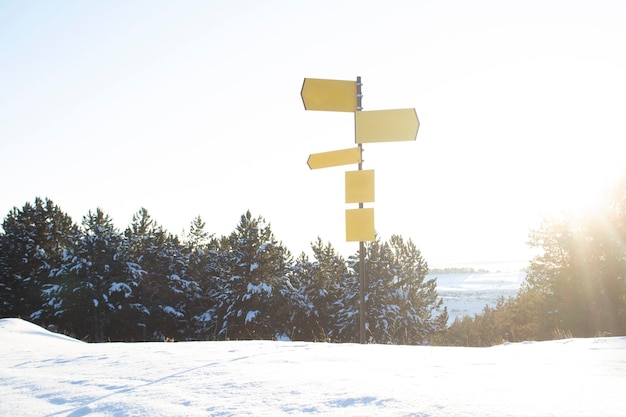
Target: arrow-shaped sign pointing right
{"x":385,"y":125}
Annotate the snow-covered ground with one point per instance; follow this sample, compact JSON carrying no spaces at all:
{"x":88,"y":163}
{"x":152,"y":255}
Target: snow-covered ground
{"x":44,"y":374}
{"x":467,"y":294}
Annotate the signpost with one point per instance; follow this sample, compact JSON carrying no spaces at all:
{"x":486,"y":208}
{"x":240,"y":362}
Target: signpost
{"x":369,"y":127}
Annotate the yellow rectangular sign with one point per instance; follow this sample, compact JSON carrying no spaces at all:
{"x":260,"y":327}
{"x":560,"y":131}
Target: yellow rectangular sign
{"x":334,"y":158}
{"x":385,"y":125}
{"x":329,"y":95}
{"x":360,"y":186}
{"x":360,"y":225}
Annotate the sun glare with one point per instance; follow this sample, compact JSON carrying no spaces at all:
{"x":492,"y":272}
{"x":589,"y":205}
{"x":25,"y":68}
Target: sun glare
{"x":582,"y":190}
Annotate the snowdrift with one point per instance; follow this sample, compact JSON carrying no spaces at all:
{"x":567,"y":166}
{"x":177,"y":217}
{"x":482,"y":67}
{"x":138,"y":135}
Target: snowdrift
{"x":46,"y":374}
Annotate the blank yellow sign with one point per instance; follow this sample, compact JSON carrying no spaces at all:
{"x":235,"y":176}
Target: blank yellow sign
{"x":334,"y":158}
{"x":329,"y":95}
{"x":360,"y":186}
{"x":385,"y":125}
{"x":360,"y":225}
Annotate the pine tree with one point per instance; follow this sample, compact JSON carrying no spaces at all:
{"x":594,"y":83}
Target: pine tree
{"x":253,"y":269}
{"x":574,"y":286}
{"x":200,"y":256}
{"x":578,"y":277}
{"x":33,"y":242}
{"x":197,"y":236}
{"x":94,"y":287}
{"x":401,"y":305}
{"x":144,"y":241}
{"x":317,"y":294}
{"x":165,"y":290}
{"x":347,"y":307}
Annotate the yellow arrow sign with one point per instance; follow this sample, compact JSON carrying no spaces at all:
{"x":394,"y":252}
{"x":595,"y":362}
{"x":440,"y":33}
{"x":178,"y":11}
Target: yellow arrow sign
{"x":360,"y":225}
{"x":385,"y":125}
{"x":329,"y":95}
{"x":334,"y":158}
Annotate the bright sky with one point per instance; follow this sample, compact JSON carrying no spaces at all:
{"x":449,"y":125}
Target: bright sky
{"x":193,"y":108}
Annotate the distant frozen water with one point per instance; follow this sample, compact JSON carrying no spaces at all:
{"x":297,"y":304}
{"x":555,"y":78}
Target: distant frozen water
{"x":467,"y":294}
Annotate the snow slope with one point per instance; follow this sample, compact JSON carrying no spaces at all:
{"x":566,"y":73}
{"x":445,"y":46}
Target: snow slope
{"x":43,"y":374}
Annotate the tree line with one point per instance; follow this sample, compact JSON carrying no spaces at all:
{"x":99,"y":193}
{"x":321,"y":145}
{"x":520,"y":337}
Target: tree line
{"x":575,"y":286}
{"x":98,"y":284}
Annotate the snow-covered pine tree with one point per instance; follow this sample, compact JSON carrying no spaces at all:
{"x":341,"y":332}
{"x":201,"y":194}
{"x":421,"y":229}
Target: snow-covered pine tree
{"x":201,"y":257}
{"x":166,"y":291}
{"x":31,"y":246}
{"x":144,"y":242}
{"x":253,"y":268}
{"x":346,"y":308}
{"x":317,"y":293}
{"x":402,"y":307}
{"x":95,"y":284}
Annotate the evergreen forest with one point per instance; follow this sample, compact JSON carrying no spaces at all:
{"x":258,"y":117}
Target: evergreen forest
{"x":97,"y":283}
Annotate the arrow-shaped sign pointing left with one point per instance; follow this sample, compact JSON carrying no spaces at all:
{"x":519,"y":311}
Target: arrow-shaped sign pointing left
{"x":329,"y":95}
{"x":334,"y":158}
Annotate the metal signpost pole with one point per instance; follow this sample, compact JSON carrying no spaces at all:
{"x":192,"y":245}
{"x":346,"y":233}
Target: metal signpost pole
{"x":362,"y":336}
